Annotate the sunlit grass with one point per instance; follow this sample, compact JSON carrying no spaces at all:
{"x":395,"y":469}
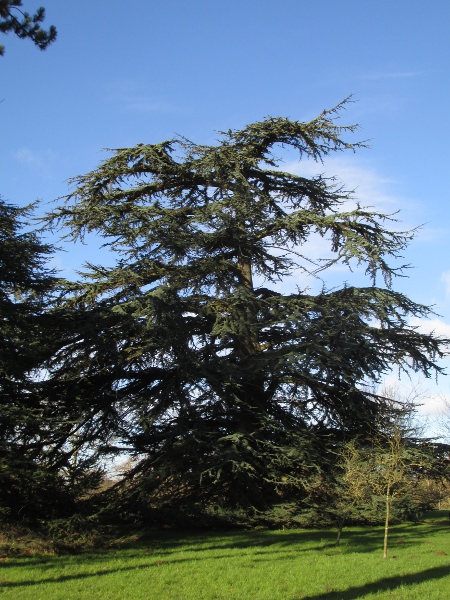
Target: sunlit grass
{"x":266,"y":565}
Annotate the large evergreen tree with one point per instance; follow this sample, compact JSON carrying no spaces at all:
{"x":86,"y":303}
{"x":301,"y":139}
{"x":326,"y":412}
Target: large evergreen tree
{"x":188,"y":355}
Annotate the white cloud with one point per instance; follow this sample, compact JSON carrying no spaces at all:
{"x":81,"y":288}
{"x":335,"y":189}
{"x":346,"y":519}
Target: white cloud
{"x":445,"y":278}
{"x":133,"y":96}
{"x":432,"y":394}
{"x":431,"y":401}
{"x":40,"y":161}
{"x":368,"y":186}
{"x":393,"y":74}
{"x":145,"y":104}
{"x":435,"y":405}
{"x":436,"y":326}
{"x":435,"y":400}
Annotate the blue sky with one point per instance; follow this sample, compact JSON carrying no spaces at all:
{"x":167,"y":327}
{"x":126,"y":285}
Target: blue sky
{"x":143,"y":71}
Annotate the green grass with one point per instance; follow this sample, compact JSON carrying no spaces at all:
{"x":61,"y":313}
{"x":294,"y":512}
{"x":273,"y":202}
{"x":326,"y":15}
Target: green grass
{"x":266,"y":565}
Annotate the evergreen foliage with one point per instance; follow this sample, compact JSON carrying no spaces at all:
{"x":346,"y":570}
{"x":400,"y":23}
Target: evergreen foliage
{"x":25,"y":25}
{"x":188,"y":356}
{"x":35,"y":459}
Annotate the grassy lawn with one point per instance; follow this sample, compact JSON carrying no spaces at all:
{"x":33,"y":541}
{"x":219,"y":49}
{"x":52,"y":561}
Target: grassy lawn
{"x":266,"y":565}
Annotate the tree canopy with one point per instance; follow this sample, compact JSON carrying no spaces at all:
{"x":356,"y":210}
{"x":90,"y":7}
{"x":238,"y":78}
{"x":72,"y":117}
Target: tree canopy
{"x":187,"y":354}
{"x":25,"y":25}
{"x":29,"y":481}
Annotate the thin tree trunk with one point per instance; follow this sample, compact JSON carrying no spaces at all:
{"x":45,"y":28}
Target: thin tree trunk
{"x":386,"y":524}
{"x":340,"y":527}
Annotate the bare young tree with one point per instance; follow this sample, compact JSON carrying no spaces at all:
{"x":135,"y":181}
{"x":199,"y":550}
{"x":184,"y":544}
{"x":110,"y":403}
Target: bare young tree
{"x":389,"y":464}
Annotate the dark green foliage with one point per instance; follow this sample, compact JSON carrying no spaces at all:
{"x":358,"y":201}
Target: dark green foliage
{"x":24,"y":288}
{"x":227,"y":390}
{"x":39,"y":476}
{"x":25,"y":25}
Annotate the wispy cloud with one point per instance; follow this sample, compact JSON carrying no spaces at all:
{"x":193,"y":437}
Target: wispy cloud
{"x":393,"y":74}
{"x":429,"y":400}
{"x":40,"y":161}
{"x":367,"y":186}
{"x":445,"y":278}
{"x":436,"y":326}
{"x":439,"y":328}
{"x":132,"y":96}
{"x":146,"y":104}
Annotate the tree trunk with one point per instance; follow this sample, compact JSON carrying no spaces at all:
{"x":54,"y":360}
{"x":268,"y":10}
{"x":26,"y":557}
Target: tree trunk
{"x":340,"y":528}
{"x":386,"y":524}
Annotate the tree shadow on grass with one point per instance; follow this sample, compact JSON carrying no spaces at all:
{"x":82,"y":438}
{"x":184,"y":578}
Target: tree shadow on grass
{"x":307,"y":541}
{"x":359,"y":541}
{"x":357,"y":592}
{"x":98,"y":573}
{"x":386,"y":584}
{"x":267,"y":548}
{"x":150,"y":563}
{"x":168,"y":544}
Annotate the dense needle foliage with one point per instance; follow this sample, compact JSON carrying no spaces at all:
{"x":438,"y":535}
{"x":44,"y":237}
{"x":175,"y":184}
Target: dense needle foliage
{"x":31,"y":430}
{"x":186,"y":354}
{"x":24,"y":25}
